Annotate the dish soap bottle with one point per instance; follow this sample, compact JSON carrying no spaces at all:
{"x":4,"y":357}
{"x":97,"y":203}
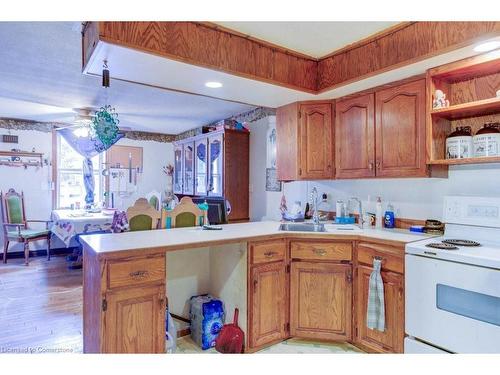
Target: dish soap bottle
{"x":378,"y":213}
{"x":324,"y":208}
{"x":389,"y":216}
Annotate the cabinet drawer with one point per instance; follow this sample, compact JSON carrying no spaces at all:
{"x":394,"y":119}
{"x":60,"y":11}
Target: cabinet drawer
{"x":392,"y":257}
{"x":316,"y":250}
{"x":136,"y":272}
{"x":267,"y":251}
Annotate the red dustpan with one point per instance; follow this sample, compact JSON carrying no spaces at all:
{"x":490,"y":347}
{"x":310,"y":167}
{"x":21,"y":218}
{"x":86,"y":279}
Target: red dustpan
{"x":230,"y":339}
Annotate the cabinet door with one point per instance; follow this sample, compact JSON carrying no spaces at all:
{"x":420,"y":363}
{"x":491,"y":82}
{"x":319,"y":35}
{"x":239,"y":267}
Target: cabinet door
{"x":178,"y":158}
{"x":320,"y":300}
{"x":216,"y":167}
{"x":391,"y":340}
{"x":267,"y":304}
{"x":355,"y":137}
{"x":400,"y":131}
{"x":201,"y":166}
{"x":315,"y":139}
{"x":188,"y":185}
{"x":134,"y":320}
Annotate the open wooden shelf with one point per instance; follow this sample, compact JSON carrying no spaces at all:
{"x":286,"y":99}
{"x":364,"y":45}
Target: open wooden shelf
{"x":21,"y":154}
{"x":472,"y":109}
{"x":481,"y":160}
{"x":21,"y":163}
{"x":471,"y":85}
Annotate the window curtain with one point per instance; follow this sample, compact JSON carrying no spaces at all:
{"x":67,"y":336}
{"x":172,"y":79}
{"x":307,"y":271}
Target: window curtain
{"x":88,"y":147}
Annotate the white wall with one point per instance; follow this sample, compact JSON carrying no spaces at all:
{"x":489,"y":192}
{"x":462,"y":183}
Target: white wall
{"x":416,"y":198}
{"x":36,"y":183}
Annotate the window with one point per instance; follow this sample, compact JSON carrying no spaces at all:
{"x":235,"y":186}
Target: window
{"x":70,"y":188}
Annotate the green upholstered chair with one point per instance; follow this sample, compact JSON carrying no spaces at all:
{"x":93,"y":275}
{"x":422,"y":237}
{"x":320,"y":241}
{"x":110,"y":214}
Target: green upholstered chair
{"x":185,"y":214}
{"x":141,"y":216}
{"x":154,"y":199}
{"x":15,"y":225}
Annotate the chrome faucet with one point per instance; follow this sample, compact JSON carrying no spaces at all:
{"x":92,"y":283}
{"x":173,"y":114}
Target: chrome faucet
{"x":361,"y":220}
{"x":314,"y":205}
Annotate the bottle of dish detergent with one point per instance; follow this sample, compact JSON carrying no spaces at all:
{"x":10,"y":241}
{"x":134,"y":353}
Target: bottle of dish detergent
{"x":389,"y":216}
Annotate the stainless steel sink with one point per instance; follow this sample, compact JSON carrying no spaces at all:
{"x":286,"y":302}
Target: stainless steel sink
{"x":302,"y":227}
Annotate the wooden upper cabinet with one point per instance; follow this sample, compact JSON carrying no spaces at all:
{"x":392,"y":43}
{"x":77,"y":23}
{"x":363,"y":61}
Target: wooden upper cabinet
{"x":268,"y":298}
{"x":400,"y":131}
{"x":355,"y":137}
{"x":320,"y":300}
{"x":391,"y":339}
{"x":316,"y":149}
{"x":305,"y":141}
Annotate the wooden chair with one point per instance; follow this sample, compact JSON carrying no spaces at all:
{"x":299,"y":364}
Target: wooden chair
{"x":154,"y":199}
{"x":15,"y":225}
{"x":141,"y":216}
{"x":185,"y":214}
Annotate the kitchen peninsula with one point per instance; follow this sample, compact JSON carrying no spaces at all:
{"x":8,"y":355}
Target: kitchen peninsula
{"x":286,"y":284}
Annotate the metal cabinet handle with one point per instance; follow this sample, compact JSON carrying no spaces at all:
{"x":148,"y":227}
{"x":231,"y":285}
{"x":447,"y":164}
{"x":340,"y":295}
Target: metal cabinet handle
{"x":139,"y":275}
{"x":270,"y":254}
{"x":370,"y":165}
{"x":320,"y":252}
{"x":377,"y":164}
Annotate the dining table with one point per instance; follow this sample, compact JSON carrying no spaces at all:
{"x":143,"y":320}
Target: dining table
{"x":68,"y":225}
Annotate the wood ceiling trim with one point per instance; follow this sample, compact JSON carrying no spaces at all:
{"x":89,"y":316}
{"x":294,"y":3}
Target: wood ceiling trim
{"x":215,"y":47}
{"x":199,"y":44}
{"x":403,"y":46}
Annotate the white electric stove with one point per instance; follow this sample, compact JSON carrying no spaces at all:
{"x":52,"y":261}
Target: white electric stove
{"x":452,"y":283}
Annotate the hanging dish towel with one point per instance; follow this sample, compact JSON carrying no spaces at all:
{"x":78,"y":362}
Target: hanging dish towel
{"x":375,"y":314}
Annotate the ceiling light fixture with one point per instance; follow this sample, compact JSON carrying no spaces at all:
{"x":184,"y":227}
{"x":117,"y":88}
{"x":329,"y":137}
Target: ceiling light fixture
{"x":213,"y":84}
{"x":487,"y":46}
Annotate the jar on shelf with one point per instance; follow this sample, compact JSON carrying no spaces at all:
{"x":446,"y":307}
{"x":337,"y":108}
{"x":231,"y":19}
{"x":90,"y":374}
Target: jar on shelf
{"x":487,"y":140}
{"x":459,"y":143}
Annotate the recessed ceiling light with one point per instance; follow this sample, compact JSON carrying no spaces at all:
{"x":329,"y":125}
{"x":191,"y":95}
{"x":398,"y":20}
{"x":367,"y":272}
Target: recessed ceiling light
{"x":213,"y":84}
{"x":487,"y":46}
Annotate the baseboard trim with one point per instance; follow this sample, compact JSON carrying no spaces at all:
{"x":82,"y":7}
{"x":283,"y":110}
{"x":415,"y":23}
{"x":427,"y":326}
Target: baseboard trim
{"x":41,"y":253}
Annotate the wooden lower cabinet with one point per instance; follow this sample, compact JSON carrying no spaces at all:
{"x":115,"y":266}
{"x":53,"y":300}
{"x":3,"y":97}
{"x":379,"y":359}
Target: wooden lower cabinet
{"x":268,"y":304}
{"x":320,"y":300}
{"x":134,"y":320}
{"x":391,"y":340}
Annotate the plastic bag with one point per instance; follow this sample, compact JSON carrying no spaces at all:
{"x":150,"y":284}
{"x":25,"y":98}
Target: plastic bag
{"x":170,"y":333}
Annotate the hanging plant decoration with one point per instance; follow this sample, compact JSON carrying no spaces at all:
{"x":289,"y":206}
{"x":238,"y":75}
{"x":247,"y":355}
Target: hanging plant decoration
{"x":105,"y":128}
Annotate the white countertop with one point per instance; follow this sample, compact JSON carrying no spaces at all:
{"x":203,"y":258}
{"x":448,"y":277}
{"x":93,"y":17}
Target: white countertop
{"x":196,"y":237}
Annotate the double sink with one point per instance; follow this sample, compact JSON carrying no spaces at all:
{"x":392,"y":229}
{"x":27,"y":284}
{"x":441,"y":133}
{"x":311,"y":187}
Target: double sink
{"x":311,"y":227}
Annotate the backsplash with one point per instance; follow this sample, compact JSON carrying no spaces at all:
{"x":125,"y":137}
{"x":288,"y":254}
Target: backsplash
{"x":412,"y":198}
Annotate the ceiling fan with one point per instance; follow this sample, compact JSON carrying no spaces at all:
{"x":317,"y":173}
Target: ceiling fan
{"x":81,"y":118}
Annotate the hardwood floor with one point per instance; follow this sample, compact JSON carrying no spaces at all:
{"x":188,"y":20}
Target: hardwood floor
{"x":40,"y":307}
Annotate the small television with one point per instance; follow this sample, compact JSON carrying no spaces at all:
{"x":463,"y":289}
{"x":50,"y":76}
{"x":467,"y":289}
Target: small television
{"x":217,"y":209}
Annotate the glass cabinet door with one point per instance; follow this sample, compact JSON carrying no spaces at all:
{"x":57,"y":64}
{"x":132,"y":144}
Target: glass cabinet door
{"x":215,"y":181}
{"x":201,"y":166}
{"x":188,"y":186}
{"x":178,"y":169}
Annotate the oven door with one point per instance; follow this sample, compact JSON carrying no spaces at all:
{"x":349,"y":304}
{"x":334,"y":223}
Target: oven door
{"x":451,"y":305}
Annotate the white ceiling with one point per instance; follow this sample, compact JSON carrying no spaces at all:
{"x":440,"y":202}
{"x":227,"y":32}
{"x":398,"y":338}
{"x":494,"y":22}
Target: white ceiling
{"x":41,"y":79}
{"x":315,"y":39}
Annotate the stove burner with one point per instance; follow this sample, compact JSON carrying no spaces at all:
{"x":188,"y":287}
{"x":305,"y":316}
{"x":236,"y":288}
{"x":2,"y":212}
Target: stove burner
{"x":442,"y":246}
{"x":461,"y":242}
